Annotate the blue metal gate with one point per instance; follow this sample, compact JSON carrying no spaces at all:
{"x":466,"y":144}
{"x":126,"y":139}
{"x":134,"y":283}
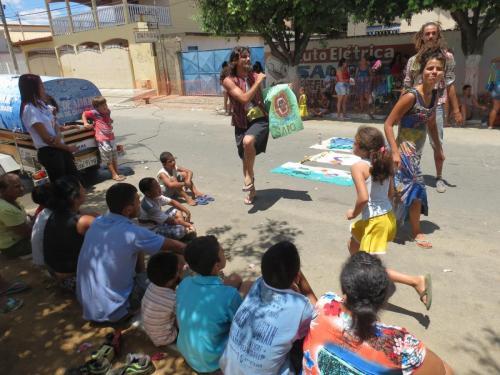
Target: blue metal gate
{"x":201,"y":69}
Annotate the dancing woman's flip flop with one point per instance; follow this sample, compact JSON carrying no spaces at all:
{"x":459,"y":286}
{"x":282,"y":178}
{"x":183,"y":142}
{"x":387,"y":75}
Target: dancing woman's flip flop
{"x":427,"y":292}
{"x":423,"y":243}
{"x":250,"y":186}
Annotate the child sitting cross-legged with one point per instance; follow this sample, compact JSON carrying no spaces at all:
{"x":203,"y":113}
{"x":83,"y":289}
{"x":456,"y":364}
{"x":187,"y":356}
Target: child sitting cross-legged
{"x":206,"y":305}
{"x":267,"y":331}
{"x":175,"y":222}
{"x":158,"y":304}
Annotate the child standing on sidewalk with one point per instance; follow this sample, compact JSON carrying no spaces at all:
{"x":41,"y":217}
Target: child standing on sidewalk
{"x":104,"y":135}
{"x":372,"y":177}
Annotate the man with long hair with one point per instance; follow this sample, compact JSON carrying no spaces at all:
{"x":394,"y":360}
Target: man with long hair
{"x":249,"y":118}
{"x":431,"y":35}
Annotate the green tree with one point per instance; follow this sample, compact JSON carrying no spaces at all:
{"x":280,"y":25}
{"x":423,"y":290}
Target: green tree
{"x":285,"y":25}
{"x":477,"y":20}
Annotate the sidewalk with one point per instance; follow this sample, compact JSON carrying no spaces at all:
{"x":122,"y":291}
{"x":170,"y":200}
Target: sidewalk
{"x":194,"y":103}
{"x":125,"y":97}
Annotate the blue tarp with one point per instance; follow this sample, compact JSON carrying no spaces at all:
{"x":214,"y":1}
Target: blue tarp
{"x":73,"y":95}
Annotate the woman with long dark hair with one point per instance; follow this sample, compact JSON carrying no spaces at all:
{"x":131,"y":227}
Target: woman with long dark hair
{"x":347,"y":337}
{"x":65,"y":229}
{"x":37,"y":117}
{"x":415,"y":112}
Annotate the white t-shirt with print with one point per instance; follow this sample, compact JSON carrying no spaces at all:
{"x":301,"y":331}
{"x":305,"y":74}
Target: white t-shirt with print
{"x":43,"y":115}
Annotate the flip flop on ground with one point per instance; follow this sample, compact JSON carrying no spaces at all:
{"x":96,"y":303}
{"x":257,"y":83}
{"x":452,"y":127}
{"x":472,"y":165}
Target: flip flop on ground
{"x":11,"y":304}
{"x":423,"y":243}
{"x":15,"y":287}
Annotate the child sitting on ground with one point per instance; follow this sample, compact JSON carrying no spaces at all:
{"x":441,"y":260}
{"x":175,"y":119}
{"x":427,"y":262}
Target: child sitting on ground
{"x":175,"y":222}
{"x":206,"y":305}
{"x":274,"y":317}
{"x":102,"y":125}
{"x":158,"y":304}
{"x":179,"y":180}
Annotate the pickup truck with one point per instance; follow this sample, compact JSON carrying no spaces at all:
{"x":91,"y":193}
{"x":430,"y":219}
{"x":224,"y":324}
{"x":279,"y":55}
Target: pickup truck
{"x":73,"y":96}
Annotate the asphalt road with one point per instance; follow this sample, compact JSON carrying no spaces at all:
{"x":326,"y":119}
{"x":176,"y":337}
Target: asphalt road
{"x":463,"y":325}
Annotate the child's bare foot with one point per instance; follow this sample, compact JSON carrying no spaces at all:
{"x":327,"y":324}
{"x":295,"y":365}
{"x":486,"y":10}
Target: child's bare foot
{"x":191,"y":202}
{"x":118,"y":177}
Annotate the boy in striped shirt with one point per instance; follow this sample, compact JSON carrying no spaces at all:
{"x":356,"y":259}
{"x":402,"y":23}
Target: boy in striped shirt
{"x":158,"y":304}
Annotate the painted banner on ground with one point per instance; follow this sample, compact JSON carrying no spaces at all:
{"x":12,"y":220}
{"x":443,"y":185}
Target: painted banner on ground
{"x":327,"y":175}
{"x":335,"y":158}
{"x":283,"y":109}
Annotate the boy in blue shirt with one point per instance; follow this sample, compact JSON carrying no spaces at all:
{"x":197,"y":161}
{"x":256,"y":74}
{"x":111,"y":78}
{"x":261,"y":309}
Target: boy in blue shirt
{"x":206,"y":305}
{"x":268,"y":328}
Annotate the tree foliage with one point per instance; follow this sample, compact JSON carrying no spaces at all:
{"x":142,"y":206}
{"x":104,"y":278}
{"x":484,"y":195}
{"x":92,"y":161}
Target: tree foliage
{"x":279,"y":22}
{"x":476,"y":19}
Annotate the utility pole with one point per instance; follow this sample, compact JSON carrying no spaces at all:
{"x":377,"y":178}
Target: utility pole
{"x":7,"y":37}
{"x":20,"y":24}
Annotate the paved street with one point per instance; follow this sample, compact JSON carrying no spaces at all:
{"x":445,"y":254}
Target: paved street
{"x":463,"y":325}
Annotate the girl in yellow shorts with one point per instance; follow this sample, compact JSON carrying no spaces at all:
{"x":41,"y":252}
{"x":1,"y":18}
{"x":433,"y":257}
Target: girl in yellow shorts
{"x":372,"y":177}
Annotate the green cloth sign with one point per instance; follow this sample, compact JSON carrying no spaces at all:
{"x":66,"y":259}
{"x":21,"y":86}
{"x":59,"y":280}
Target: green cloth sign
{"x":283,"y":109}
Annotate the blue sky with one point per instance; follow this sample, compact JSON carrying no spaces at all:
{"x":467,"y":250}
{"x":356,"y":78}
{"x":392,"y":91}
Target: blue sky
{"x":34,"y":11}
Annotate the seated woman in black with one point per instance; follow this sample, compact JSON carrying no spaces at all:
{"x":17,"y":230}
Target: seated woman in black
{"x":65,"y":230}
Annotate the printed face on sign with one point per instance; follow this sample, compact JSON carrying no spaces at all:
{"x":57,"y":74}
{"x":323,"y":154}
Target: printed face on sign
{"x":281,"y":105}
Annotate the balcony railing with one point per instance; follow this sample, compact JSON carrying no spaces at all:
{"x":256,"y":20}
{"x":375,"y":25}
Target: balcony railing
{"x":111,"y":16}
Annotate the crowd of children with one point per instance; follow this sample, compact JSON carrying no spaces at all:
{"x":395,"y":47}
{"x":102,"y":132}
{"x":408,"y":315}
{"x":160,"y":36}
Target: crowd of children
{"x":219,"y":323}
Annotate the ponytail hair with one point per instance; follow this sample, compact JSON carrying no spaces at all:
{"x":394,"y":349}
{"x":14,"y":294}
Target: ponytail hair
{"x":366,"y":284}
{"x":372,"y":141}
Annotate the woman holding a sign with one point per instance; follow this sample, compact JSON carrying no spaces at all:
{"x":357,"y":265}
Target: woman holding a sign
{"x":249,"y":117}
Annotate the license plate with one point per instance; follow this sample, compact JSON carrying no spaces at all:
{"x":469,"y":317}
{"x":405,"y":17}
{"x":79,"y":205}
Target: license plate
{"x":85,"y":163}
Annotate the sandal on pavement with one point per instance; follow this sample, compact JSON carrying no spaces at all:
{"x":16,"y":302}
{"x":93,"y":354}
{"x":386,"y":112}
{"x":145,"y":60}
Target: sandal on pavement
{"x":92,"y":367}
{"x":139,"y":364}
{"x":201,"y":201}
{"x":423,"y":243}
{"x":11,"y":304}
{"x":250,"y":186}
{"x":427,"y":292}
{"x":119,"y":178}
{"x":106,"y":351}
{"x":15,"y":287}
{"x":250,"y":198}
{"x":207,"y":197}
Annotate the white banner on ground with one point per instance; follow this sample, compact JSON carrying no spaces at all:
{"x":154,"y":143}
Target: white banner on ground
{"x":335,"y":158}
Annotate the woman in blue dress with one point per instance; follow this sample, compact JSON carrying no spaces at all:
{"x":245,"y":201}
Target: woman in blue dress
{"x":415,"y":112}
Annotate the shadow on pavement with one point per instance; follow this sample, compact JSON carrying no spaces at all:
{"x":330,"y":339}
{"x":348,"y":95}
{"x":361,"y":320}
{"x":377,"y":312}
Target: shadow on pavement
{"x":237,"y":244}
{"x":267,"y":198}
{"x":404,"y":232}
{"x":431,"y":181}
{"x":422,"y":319}
{"x":482,"y":350}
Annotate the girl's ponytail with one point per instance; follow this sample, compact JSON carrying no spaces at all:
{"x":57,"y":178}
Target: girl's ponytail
{"x":372,"y":141}
{"x":382,"y":165}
